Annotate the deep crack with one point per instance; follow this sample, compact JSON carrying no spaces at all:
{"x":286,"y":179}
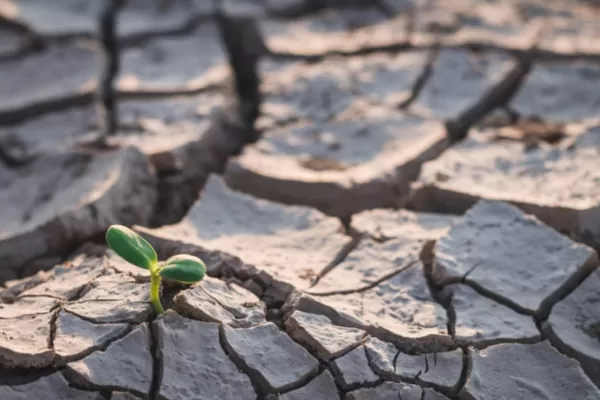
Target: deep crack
{"x":105,"y":392}
{"x":426,"y":365}
{"x":440,"y":293}
{"x":157,"y":365}
{"x":240,"y":364}
{"x":53,"y":327}
{"x":110,"y":51}
{"x":568,"y":352}
{"x":497,"y":95}
{"x":466,"y":369}
{"x":245,"y":46}
{"x":34,"y":41}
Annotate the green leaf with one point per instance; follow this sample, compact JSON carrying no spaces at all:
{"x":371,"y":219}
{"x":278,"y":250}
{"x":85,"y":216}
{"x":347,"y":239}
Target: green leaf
{"x":183,"y":268}
{"x":131,"y":247}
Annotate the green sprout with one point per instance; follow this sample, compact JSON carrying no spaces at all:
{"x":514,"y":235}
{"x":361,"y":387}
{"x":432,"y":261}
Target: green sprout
{"x":136,"y":250}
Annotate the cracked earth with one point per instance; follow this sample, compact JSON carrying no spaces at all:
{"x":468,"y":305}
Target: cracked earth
{"x":419,"y":218}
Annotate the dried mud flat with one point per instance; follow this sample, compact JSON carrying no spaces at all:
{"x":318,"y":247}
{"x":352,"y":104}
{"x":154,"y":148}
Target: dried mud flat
{"x":355,"y":251}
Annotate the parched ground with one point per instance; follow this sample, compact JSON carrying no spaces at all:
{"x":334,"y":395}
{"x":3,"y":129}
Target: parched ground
{"x":355,"y":251}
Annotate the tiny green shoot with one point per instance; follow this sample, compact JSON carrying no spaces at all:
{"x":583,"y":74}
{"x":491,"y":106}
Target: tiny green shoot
{"x":136,"y":250}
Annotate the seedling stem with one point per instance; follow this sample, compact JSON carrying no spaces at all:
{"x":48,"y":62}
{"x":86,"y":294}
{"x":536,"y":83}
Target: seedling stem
{"x":136,"y":250}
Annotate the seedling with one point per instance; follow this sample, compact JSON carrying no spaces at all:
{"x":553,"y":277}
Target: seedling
{"x":136,"y":250}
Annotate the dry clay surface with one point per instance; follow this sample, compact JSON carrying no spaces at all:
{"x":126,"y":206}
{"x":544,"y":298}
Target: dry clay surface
{"x":344,"y":129}
{"x":416,"y":305}
{"x":56,"y":194}
{"x":179,"y":36}
{"x":559,"y":185}
{"x":483,"y":291}
{"x":571,"y":26}
{"x":345,"y":134}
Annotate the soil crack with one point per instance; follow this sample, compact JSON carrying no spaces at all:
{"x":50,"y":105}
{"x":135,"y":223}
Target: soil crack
{"x":369,"y":286}
{"x":157,"y":366}
{"x":423,"y":77}
{"x":338,"y":259}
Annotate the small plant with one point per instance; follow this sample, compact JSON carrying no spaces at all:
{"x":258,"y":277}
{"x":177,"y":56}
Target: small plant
{"x":136,"y":250}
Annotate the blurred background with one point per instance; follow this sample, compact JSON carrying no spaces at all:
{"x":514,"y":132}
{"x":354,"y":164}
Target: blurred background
{"x":118,"y":111}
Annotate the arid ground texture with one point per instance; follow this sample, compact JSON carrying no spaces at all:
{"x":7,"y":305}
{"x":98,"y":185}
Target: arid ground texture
{"x":394,"y":199}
